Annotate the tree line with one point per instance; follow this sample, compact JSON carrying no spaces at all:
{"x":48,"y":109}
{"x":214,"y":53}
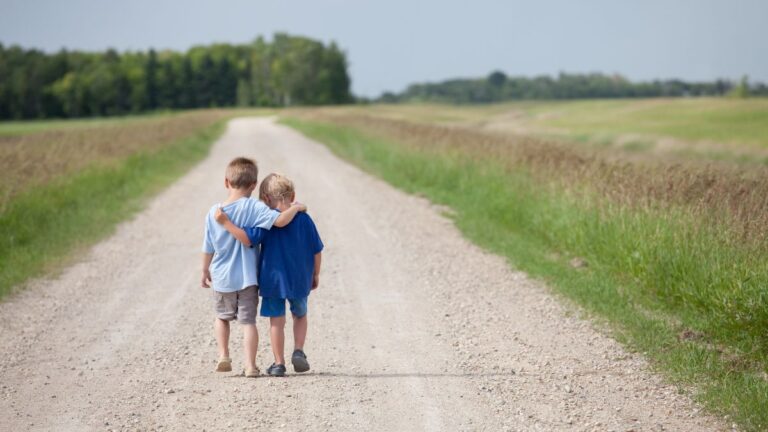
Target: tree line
{"x":497,"y":87}
{"x":288,"y":70}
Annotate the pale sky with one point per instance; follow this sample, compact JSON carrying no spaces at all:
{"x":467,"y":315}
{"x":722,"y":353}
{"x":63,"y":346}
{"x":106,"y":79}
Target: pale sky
{"x":393,"y":43}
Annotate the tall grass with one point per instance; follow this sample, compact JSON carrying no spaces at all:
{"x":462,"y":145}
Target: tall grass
{"x":34,"y":159}
{"x":24,"y":127}
{"x":671,"y":280}
{"x":41,"y":227}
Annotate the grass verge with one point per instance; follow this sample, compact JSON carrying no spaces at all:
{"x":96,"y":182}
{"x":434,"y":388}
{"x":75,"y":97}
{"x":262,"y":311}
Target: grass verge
{"x":672,"y":287}
{"x":41,"y":227}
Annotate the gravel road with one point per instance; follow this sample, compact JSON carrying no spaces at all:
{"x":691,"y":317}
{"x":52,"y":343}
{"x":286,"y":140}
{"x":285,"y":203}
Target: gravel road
{"x":412,"y":329}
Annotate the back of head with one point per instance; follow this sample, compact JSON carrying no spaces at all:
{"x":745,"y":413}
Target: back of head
{"x":242,"y":173}
{"x":275,"y":188}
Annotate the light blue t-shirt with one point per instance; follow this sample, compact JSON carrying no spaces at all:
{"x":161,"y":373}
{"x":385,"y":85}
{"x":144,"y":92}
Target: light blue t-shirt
{"x":234,"y":266}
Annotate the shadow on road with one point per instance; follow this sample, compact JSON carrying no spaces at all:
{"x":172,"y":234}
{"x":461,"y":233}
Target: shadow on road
{"x":390,"y":375}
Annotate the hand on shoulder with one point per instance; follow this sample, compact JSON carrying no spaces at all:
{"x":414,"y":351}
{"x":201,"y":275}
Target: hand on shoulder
{"x":220,"y":216}
{"x":301,"y":207}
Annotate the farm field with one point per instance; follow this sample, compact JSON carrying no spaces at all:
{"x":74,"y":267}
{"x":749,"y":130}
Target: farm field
{"x":669,"y":248}
{"x":23,"y":127}
{"x":412,"y":327}
{"x":701,"y":128}
{"x":650,"y":215}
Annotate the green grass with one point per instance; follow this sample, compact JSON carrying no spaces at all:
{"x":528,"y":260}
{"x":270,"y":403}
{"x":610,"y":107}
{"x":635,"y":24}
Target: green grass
{"x":695,"y":123}
{"x":23,"y":127}
{"x":43,"y":227}
{"x":653,"y":275}
{"x":724,"y":121}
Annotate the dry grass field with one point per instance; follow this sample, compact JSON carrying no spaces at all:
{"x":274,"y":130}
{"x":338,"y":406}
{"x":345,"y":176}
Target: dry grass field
{"x":729,"y":186}
{"x":35,"y":155}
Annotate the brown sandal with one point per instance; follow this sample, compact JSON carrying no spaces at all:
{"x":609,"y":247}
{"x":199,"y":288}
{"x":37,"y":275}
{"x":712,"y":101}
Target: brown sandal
{"x":224,"y":365}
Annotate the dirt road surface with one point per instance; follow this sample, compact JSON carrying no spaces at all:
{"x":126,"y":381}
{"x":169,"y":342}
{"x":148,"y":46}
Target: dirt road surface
{"x":412,"y":328}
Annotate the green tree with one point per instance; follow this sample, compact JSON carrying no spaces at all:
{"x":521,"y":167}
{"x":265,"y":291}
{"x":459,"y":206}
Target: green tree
{"x":741,"y":90}
{"x":289,"y":70}
{"x":150,"y":78}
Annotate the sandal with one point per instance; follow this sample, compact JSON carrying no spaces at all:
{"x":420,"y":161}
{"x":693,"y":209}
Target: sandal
{"x":224,"y":365}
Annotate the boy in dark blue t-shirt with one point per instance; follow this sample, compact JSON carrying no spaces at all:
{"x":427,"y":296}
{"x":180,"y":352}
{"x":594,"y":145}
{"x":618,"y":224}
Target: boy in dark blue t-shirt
{"x":289,"y":268}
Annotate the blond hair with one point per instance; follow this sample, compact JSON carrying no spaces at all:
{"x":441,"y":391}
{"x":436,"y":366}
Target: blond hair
{"x":242,"y":173}
{"x":275,"y":188}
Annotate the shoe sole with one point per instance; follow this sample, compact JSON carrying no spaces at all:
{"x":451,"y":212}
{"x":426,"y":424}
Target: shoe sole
{"x":300,"y":364}
{"x":224,"y":367}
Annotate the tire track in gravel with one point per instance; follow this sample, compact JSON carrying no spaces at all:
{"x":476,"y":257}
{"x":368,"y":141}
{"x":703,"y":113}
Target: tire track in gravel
{"x":412,"y":328}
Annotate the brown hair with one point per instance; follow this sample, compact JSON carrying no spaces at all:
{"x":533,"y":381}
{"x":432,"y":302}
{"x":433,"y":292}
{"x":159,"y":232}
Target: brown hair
{"x":275,"y":187}
{"x":242,"y":173}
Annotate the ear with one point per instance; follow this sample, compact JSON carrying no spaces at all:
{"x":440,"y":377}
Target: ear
{"x":226,"y":183}
{"x":293,"y":197}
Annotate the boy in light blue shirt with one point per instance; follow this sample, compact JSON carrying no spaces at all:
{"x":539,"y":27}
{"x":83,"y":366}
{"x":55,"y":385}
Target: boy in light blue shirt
{"x":230,"y":268}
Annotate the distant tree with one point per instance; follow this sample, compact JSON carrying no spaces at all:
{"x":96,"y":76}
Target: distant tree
{"x":497,"y":79}
{"x":244,"y":88}
{"x":205,"y":81}
{"x":187,"y":97}
{"x":741,"y":90}
{"x":169,"y":82}
{"x":338,"y":79}
{"x":150,"y":77}
{"x":287,"y":70}
{"x":498,"y":87}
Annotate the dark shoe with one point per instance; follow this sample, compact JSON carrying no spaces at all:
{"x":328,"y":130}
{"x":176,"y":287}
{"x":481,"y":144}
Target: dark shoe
{"x":276,"y":370}
{"x":299,"y":360}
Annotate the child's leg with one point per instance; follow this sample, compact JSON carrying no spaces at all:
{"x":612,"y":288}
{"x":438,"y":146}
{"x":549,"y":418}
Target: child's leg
{"x":299,"y":332}
{"x":299,"y":311}
{"x":247,"y":306}
{"x":250,"y":345}
{"x":221,"y":328}
{"x":277,"y":337}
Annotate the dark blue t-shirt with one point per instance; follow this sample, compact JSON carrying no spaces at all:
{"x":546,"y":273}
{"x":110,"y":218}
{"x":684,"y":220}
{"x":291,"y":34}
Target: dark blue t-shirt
{"x":287,"y":259}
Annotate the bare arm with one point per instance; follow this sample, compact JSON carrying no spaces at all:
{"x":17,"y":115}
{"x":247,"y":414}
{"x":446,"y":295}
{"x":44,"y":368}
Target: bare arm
{"x":206,"y":280}
{"x":316,"y":274}
{"x":287,"y":216}
{"x":233,"y":229}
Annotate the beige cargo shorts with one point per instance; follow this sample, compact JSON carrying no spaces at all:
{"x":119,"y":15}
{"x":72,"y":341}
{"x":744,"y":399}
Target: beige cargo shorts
{"x":240,"y":305}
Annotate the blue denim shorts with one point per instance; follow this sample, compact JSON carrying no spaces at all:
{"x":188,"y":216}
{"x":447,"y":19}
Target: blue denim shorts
{"x":275,"y":307}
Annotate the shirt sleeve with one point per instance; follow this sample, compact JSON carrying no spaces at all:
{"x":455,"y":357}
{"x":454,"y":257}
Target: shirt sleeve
{"x":255,"y":235}
{"x":207,"y":242}
{"x":314,"y":237}
{"x":262,"y":216}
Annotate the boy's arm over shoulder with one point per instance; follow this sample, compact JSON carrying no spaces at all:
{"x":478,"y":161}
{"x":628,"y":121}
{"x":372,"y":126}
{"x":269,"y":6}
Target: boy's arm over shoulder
{"x":255,"y":235}
{"x":287,"y":216}
{"x":260,"y":215}
{"x":237,"y":232}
